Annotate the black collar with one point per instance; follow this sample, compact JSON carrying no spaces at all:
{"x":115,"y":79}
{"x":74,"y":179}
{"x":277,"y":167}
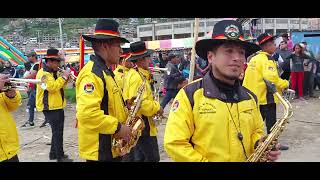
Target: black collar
{"x":214,"y":89}
{"x":47,"y":69}
{"x":97,"y":59}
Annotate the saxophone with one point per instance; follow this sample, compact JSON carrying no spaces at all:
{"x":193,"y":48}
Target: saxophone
{"x":135,"y":122}
{"x":263,"y":149}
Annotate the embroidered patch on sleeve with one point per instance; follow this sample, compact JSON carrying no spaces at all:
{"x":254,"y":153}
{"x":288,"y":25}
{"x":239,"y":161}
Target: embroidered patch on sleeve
{"x":175,"y":106}
{"x":88,"y":88}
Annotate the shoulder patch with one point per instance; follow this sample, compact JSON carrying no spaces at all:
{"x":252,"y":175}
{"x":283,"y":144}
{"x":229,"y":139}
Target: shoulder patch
{"x":88,"y":88}
{"x":175,"y":106}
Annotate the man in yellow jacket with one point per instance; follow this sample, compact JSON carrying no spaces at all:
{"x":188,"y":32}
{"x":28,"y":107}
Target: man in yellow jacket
{"x":214,"y":118}
{"x":262,"y":67}
{"x":146,"y":149}
{"x":51,"y":101}
{"x":101,"y":109}
{"x":123,"y":67}
{"x":9,"y":140}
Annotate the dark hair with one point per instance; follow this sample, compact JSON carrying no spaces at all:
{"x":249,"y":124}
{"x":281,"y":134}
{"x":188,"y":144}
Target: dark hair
{"x":96,"y":44}
{"x":284,"y":42}
{"x":294,"y":47}
{"x":27,"y":66}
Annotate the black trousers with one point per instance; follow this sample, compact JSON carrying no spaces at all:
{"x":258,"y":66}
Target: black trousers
{"x":146,"y":150}
{"x":308,"y":83}
{"x":269,"y":114}
{"x":13,"y":159}
{"x":56,"y":120}
{"x":285,"y":75}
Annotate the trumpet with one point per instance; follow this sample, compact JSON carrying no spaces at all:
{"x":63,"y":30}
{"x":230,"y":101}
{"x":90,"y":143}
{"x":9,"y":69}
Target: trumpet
{"x":21,"y":84}
{"x":73,"y":77}
{"x":159,"y":70}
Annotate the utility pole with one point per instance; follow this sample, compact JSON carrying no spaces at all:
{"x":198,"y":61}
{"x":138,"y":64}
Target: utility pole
{"x":193,"y":51}
{"x":38,"y":39}
{"x":61,"y":39}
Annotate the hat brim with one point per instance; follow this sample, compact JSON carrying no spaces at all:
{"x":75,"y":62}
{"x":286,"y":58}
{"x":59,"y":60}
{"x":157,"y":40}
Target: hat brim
{"x":269,"y":39}
{"x":135,"y":57}
{"x":103,"y":37}
{"x":205,"y":45}
{"x":57,"y":59}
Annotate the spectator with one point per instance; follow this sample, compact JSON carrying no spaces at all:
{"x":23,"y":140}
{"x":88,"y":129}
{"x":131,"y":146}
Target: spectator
{"x":172,"y":79}
{"x":306,"y":50}
{"x":1,"y":66}
{"x":309,"y":66}
{"x":202,"y":66}
{"x":285,"y":38}
{"x":284,"y":53}
{"x":8,"y":69}
{"x":185,"y":62}
{"x":163,"y":57}
{"x":317,"y":76}
{"x":297,"y":71}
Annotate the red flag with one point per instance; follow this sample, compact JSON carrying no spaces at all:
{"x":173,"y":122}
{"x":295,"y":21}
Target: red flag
{"x":81,"y":46}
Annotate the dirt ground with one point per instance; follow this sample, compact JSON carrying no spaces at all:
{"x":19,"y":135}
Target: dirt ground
{"x":302,"y":134}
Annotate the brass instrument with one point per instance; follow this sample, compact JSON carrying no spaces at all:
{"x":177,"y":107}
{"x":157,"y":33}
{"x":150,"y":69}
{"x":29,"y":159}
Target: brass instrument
{"x":158,"y":70}
{"x":135,"y":122}
{"x":289,"y":94}
{"x":261,"y":152}
{"x":21,"y":84}
{"x":72,"y":76}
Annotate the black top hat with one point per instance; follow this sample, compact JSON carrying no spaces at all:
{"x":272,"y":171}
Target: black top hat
{"x":139,"y":50}
{"x":223,"y":31}
{"x":105,"y":29}
{"x":53,"y":54}
{"x":265,"y":37}
{"x":126,"y":53}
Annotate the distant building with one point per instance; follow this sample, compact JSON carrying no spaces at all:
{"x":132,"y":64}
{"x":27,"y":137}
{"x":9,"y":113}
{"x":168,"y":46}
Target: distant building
{"x":185,"y":29}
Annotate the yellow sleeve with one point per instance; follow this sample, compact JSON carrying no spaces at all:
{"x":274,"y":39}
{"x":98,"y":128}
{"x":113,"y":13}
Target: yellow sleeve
{"x":258,"y":129}
{"x":179,"y":130}
{"x":89,"y":94}
{"x":12,"y":103}
{"x":270,"y":73}
{"x":53,"y":84}
{"x":148,"y":107}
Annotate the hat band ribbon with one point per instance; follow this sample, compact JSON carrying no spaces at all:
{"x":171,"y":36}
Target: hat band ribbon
{"x":107,"y":32}
{"x":223,"y":36}
{"x":125,"y":54}
{"x":265,"y":39}
{"x":52,"y":56}
{"x":139,"y":52}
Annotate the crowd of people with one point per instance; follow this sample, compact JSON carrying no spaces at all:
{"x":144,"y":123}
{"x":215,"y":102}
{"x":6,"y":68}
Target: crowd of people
{"x":217,"y":117}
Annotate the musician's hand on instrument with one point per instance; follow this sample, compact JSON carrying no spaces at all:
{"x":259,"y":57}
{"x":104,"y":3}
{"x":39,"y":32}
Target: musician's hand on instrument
{"x":124,"y":133}
{"x":130,"y":102}
{"x":11,"y":93}
{"x":274,"y":153}
{"x":3,"y":79}
{"x":160,"y":112}
{"x":66,"y":75}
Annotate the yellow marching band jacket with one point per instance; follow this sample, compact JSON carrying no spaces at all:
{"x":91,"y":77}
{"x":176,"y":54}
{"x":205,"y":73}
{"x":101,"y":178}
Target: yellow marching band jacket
{"x":263,"y":67}
{"x":196,"y":119}
{"x":9,"y":139}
